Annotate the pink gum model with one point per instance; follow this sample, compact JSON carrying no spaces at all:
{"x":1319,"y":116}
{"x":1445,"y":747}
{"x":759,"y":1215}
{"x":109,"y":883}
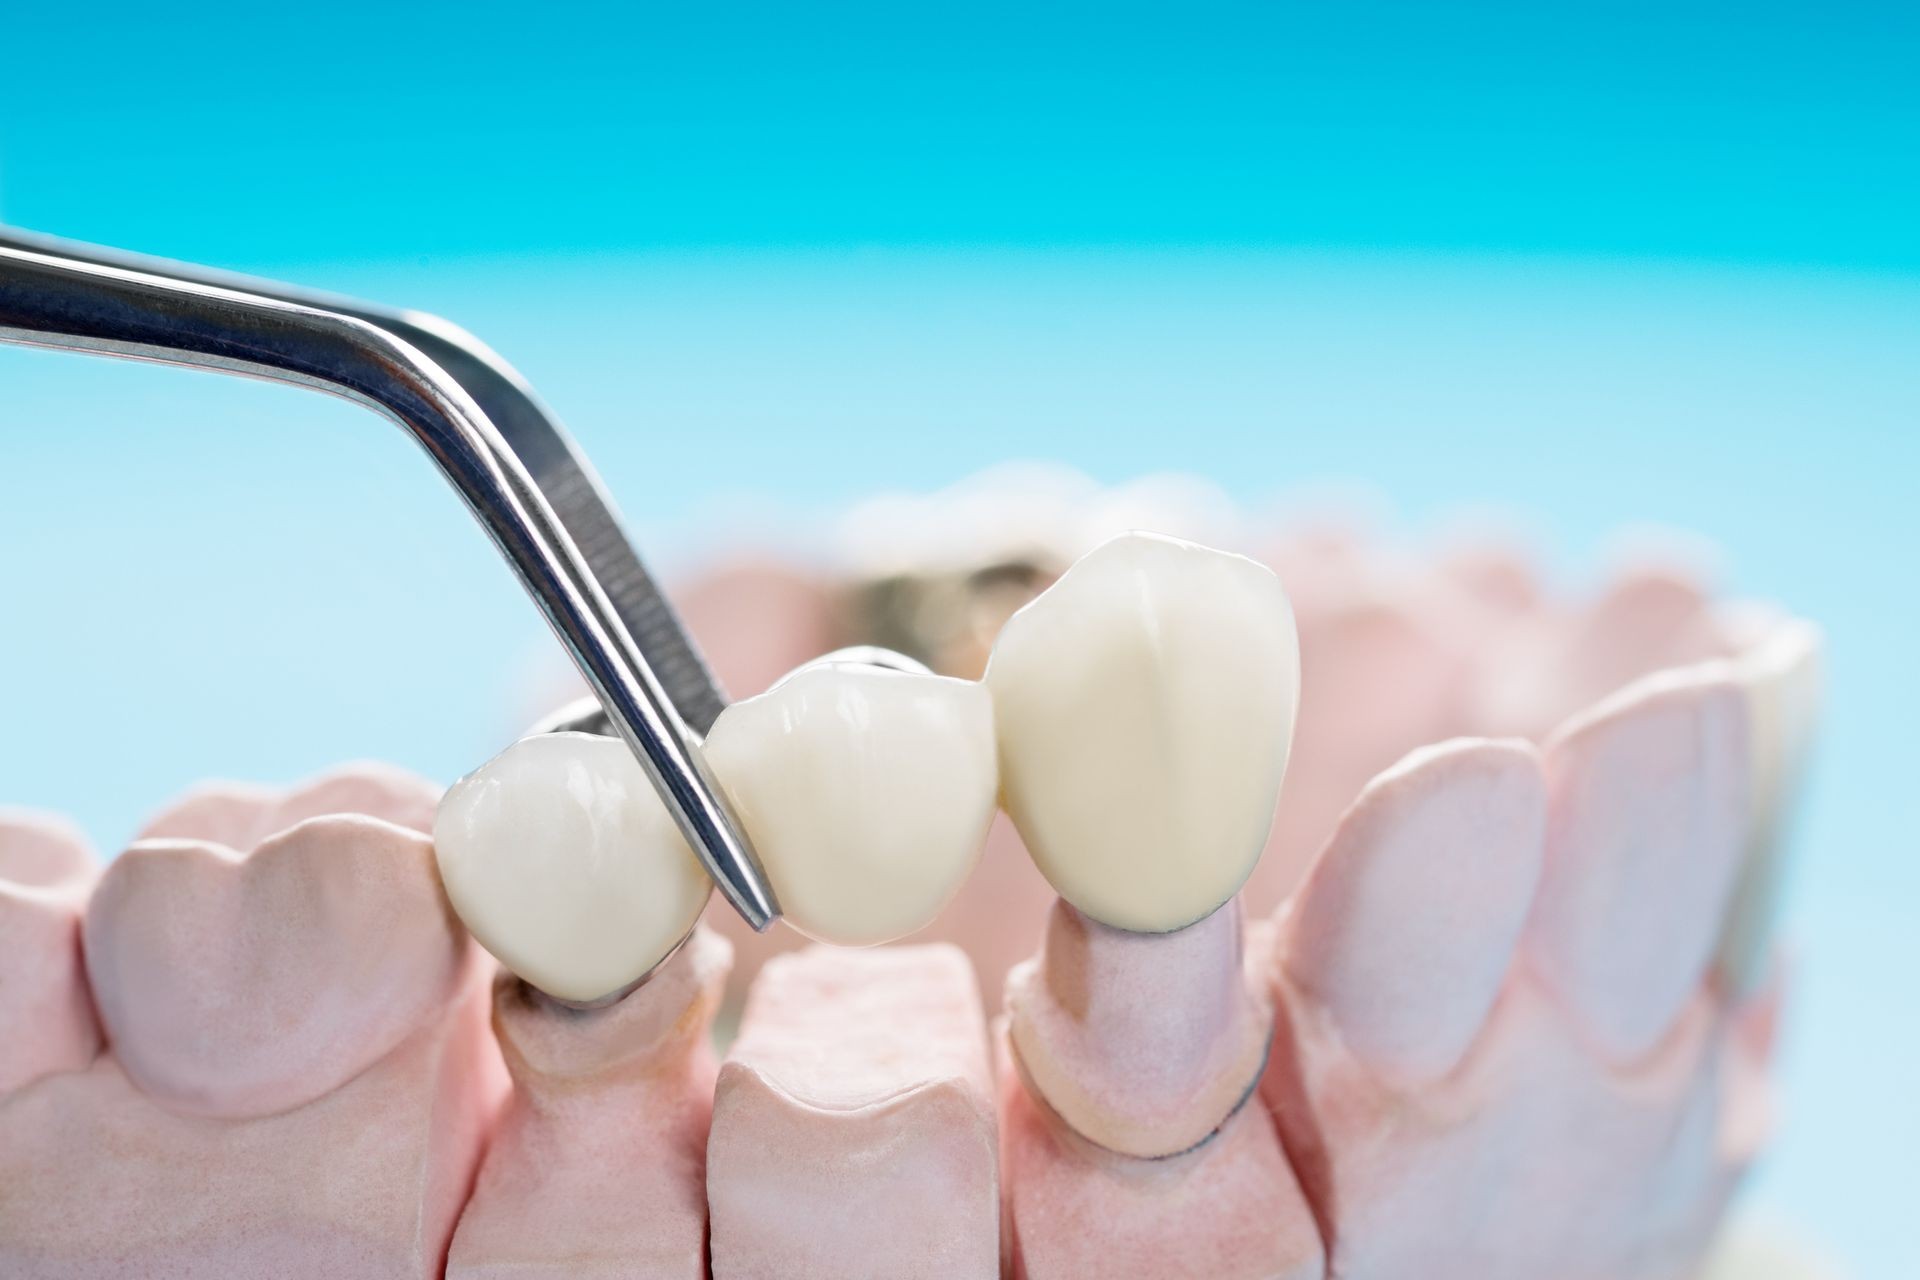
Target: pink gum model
{"x":1130,"y":1146}
{"x":1502,"y":1054}
{"x":599,"y":1165}
{"x":853,"y":1124}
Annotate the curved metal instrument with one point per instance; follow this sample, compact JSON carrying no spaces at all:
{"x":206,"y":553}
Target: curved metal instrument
{"x":502,"y":451}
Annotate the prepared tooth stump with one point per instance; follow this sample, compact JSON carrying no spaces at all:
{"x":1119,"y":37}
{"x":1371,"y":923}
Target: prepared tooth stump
{"x":1300,"y":911}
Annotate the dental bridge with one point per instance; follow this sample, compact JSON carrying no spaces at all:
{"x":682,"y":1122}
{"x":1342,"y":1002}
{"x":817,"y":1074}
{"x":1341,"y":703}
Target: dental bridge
{"x":1510,"y":1019}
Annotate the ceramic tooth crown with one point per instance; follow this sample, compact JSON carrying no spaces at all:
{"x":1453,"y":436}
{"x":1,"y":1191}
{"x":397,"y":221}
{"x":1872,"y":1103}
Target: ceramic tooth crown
{"x":1145,"y":707}
{"x":563,"y":862}
{"x":866,"y":793}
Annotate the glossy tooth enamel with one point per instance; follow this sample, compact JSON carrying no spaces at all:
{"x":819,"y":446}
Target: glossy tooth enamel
{"x":867,"y":794}
{"x":562,"y":862}
{"x":1145,"y":707}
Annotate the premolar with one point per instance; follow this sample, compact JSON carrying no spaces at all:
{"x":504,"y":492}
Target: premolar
{"x":563,"y":862}
{"x":867,"y":793}
{"x":1145,"y":706}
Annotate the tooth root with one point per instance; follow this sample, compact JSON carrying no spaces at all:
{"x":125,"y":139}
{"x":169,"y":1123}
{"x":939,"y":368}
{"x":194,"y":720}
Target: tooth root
{"x":563,"y":862}
{"x":853,"y":1122}
{"x":1231,"y":1207}
{"x":1648,"y":817}
{"x":239,"y":984}
{"x":46,"y":1016}
{"x":1142,"y":1043}
{"x":1145,"y":706}
{"x":1407,"y":925}
{"x":240,"y":815}
{"x":867,"y":794}
{"x":596,"y":1165}
{"x":1782,"y":676}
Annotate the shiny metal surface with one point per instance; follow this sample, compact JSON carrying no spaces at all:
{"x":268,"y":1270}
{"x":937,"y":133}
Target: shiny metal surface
{"x":505,"y":455}
{"x":872,"y":655}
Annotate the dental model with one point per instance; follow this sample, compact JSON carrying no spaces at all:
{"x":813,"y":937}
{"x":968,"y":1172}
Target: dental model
{"x":853,"y":1128}
{"x":867,"y":792}
{"x":598,"y":1165}
{"x":1539,"y":987}
{"x":296,"y":1075}
{"x":1497,"y":1000}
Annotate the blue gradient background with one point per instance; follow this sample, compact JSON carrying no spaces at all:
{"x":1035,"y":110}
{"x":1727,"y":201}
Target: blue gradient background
{"x":1652,"y":263}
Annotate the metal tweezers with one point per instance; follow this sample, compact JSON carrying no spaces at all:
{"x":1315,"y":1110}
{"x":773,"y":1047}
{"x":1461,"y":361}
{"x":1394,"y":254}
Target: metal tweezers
{"x":500,"y":448}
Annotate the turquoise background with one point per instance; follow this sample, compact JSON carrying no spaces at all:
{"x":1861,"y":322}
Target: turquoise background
{"x":1586,"y":267}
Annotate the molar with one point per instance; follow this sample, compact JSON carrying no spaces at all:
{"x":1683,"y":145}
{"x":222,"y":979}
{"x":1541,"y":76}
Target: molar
{"x":240,"y":815}
{"x":298,"y":1067}
{"x":236,"y":984}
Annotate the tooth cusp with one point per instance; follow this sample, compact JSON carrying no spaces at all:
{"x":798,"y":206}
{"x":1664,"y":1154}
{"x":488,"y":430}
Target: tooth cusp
{"x":866,"y":792}
{"x":562,"y":861}
{"x":1145,"y":706}
{"x":244,"y":984}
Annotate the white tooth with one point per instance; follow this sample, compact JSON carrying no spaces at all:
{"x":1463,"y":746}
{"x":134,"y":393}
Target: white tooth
{"x":867,"y":794}
{"x":562,"y":861}
{"x":1145,"y":705}
{"x":1782,"y":676}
